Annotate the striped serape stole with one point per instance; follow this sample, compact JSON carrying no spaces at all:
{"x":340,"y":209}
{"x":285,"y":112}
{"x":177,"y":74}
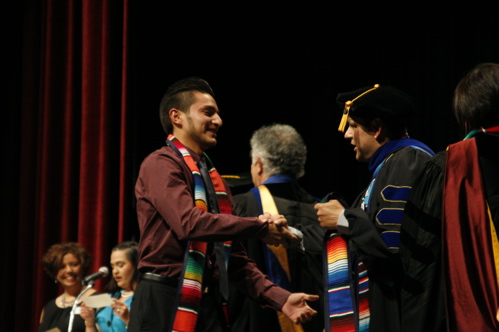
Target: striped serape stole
{"x":348,"y":308}
{"x":346,"y":300}
{"x":277,"y":255}
{"x":345,"y":314}
{"x":363,"y":291}
{"x":338,"y":299}
{"x":190,"y":291}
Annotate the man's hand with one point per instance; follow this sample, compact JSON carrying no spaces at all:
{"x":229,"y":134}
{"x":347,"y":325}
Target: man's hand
{"x":278,"y":232}
{"x":297,"y":309}
{"x":329,"y":213}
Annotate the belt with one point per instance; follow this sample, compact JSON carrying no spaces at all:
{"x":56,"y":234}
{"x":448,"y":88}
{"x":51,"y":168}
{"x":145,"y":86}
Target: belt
{"x":164,"y":280}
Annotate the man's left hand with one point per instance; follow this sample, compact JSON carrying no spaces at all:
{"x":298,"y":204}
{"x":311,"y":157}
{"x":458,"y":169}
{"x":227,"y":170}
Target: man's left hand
{"x":328,"y":213}
{"x":297,"y":309}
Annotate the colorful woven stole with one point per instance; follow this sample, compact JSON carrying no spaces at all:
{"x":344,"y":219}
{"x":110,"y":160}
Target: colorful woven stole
{"x":281,"y":254}
{"x":345,"y":299}
{"x":190,"y":292}
{"x":470,"y":243}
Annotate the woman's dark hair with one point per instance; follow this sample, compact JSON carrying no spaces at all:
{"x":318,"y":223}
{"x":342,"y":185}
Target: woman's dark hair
{"x":52,"y":259}
{"x":132,"y":254}
{"x":476,"y":98}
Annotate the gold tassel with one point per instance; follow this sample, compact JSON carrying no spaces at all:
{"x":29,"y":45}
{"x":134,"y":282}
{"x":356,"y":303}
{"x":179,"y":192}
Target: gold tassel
{"x":344,"y":118}
{"x":346,"y":110}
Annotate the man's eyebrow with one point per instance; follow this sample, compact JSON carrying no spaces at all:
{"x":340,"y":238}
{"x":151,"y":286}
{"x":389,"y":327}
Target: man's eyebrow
{"x":213,"y":108}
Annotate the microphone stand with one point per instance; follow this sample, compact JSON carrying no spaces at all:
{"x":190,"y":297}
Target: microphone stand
{"x":73,"y":309}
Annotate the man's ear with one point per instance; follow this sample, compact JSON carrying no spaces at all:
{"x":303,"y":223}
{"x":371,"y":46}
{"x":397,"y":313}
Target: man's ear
{"x":258,"y":165}
{"x":176,"y":117}
{"x":378,"y":128}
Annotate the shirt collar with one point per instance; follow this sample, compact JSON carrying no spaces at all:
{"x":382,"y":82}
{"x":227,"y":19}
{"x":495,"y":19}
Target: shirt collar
{"x":279,"y":178}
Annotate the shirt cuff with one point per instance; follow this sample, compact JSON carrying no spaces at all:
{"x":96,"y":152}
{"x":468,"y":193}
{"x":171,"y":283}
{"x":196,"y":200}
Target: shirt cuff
{"x":276,"y":297}
{"x":343,"y":225}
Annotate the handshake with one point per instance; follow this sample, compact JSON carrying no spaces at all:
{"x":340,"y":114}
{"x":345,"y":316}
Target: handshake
{"x":279,"y":233}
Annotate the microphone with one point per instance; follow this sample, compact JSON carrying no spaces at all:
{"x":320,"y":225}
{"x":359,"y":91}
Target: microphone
{"x":103,"y":272}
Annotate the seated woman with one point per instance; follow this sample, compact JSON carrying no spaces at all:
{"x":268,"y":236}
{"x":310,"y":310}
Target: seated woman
{"x":66,"y":263}
{"x":124,"y":259}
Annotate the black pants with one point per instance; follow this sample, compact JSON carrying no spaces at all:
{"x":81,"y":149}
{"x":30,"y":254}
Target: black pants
{"x":153,"y":306}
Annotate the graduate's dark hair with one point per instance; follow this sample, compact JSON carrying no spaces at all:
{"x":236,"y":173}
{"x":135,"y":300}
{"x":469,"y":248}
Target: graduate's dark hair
{"x":180,"y":95}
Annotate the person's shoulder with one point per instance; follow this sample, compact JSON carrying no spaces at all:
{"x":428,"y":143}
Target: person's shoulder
{"x":116,"y":294}
{"x":293,"y":191}
{"x":407,"y":161}
{"x":418,"y":149}
{"x":439,"y":158}
{"x":413,"y":153}
{"x":51,"y":303}
{"x":434,"y":166}
{"x":241,"y":202}
{"x":164,"y":153}
{"x":241,"y":196}
{"x":437,"y":161}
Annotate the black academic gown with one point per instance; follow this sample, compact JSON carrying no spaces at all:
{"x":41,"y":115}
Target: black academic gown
{"x":297,"y":206}
{"x":423,"y":293}
{"x":375,"y":234}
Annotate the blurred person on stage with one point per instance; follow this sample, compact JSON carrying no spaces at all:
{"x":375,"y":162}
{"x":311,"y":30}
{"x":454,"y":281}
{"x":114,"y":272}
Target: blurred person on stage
{"x":67,"y":264}
{"x":114,"y":318}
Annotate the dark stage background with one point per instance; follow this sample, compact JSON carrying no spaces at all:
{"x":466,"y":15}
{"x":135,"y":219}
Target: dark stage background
{"x":83,"y":81}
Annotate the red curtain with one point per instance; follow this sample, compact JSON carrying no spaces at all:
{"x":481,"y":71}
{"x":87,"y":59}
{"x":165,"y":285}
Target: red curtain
{"x":70,"y":147}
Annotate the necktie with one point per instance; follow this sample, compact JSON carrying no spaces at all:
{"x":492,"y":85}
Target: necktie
{"x":219,"y":246}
